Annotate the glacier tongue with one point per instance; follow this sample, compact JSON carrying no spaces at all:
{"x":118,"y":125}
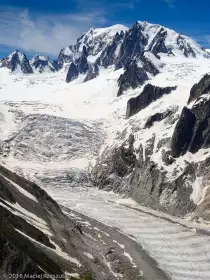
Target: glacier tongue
{"x":179,"y":248}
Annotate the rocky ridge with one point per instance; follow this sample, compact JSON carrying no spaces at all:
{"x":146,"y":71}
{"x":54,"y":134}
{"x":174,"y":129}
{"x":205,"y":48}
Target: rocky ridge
{"x":130,"y":166}
{"x":42,"y":64}
{"x":118,"y":46}
{"x":17,"y":61}
{"x":38,"y":240}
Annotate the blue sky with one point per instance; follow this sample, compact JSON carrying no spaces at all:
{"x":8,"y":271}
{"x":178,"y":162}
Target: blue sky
{"x":43,"y":26}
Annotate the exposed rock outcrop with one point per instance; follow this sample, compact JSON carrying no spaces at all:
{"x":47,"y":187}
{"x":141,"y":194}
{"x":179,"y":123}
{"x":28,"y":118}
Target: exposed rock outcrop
{"x":192,"y":131}
{"x":157,"y":118}
{"x":183,"y":133}
{"x":92,"y":73}
{"x":42,"y":64}
{"x":138,"y":40}
{"x":82,"y":63}
{"x":29,"y":229}
{"x":37,"y":239}
{"x":66,"y":55}
{"x":203,"y":87}
{"x":133,"y":77}
{"x":148,"y":60}
{"x":17,"y":61}
{"x":146,"y":182}
{"x":114,"y":166}
{"x":149,"y":94}
{"x":109,"y":54}
{"x":72,"y":73}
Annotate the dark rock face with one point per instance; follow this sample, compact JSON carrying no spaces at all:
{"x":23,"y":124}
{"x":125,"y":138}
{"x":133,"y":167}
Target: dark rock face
{"x":17,"y":59}
{"x":41,"y":64}
{"x":20,"y":238}
{"x":37,"y":238}
{"x":136,"y":73}
{"x":133,"y":77}
{"x":183,"y":133}
{"x":185,"y":48}
{"x":114,"y":166}
{"x":167,"y":157}
{"x":66,"y":57}
{"x":72,"y":74}
{"x":92,"y":73}
{"x":137,"y":41}
{"x":149,"y":94}
{"x":132,"y":46}
{"x":13,"y":261}
{"x":192,"y":131}
{"x":158,"y":43}
{"x":93,"y":44}
{"x":201,"y":133}
{"x":149,"y":66}
{"x":82,"y":63}
{"x":203,"y":87}
{"x":108,"y":55}
{"x":157,"y":118}
{"x":57,"y":66}
{"x":146,"y":182}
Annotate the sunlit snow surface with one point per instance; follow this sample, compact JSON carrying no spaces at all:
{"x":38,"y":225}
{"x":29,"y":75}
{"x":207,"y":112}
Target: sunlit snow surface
{"x":66,"y":125}
{"x":54,"y":127}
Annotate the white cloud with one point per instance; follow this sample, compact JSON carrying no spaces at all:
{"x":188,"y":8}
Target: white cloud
{"x":44,"y":33}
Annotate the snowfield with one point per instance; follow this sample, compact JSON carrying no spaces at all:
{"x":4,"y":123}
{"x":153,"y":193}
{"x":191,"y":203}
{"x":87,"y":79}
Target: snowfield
{"x":52,"y":132}
{"x":43,"y":119}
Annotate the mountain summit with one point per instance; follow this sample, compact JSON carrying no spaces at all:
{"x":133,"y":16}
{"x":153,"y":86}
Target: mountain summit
{"x":17,"y":61}
{"x":115,"y":45}
{"x":119,"y":46}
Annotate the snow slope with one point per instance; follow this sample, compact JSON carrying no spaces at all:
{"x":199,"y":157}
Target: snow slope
{"x":28,"y":100}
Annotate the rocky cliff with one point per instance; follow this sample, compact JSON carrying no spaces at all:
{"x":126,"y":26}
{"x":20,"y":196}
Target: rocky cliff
{"x":159,"y":171}
{"x":37,"y":240}
{"x":17,"y":61}
{"x":119,"y":46}
{"x":42,"y":64}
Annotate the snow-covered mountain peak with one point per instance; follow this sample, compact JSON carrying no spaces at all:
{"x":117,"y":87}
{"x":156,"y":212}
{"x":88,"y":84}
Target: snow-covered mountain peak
{"x":100,"y":37}
{"x":17,"y":62}
{"x":41,"y":57}
{"x":16,"y":54}
{"x":147,"y":24}
{"x":162,"y":40}
{"x":95,"y":40}
{"x":108,"y":31}
{"x":41,"y":63}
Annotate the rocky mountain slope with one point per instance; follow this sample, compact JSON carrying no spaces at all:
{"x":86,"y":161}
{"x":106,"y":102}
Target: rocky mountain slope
{"x":123,"y":47}
{"x":34,"y":232}
{"x":37,"y":240}
{"x":124,"y":110}
{"x":17,"y":62}
{"x":42,"y":64}
{"x":160,"y":170}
